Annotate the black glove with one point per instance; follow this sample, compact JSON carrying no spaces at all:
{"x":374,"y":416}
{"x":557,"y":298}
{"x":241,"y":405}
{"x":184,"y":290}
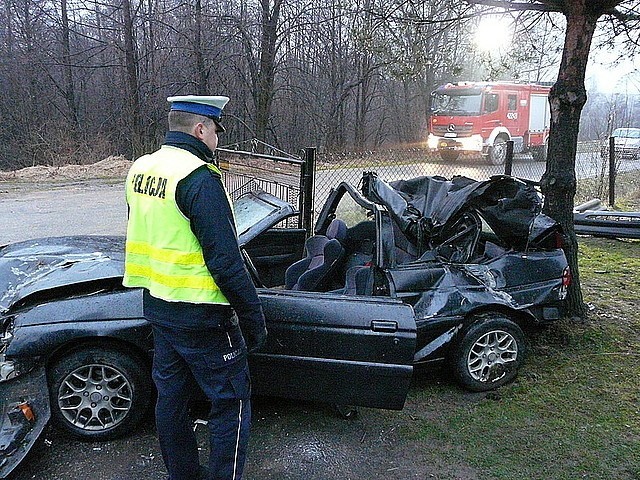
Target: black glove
{"x":255,"y":340}
{"x":255,"y":334}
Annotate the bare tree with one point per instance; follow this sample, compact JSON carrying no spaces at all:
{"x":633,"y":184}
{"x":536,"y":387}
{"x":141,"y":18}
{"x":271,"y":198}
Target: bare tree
{"x":69,"y":89}
{"x":334,"y":73}
{"x":131,"y":65}
{"x":567,"y":98}
{"x":266,"y":74}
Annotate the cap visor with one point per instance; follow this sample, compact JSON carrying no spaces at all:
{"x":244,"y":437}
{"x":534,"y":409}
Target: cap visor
{"x":219,"y":125}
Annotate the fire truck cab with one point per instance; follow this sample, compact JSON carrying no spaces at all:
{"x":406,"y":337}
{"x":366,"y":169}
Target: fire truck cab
{"x":467,"y":117}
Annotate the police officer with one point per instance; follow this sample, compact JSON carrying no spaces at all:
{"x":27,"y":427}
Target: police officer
{"x":182,"y":249}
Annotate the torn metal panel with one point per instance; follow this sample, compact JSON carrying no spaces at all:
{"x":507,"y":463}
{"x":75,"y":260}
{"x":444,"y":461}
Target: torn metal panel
{"x":426,"y":208}
{"x":24,"y":404}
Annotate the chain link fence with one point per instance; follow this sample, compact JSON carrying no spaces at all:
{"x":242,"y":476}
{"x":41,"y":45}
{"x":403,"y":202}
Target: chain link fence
{"x":253,"y":165}
{"x":592,"y":169}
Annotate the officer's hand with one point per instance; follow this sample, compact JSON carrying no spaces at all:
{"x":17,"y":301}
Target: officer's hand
{"x":255,"y":338}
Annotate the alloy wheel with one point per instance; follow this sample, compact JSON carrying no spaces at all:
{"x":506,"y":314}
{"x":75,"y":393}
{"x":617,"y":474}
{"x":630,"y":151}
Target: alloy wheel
{"x":95,"y":397}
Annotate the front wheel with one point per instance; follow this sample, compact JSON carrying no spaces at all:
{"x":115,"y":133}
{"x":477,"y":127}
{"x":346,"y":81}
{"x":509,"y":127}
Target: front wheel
{"x":449,"y":155}
{"x":99,"y":394}
{"x":489,"y":354}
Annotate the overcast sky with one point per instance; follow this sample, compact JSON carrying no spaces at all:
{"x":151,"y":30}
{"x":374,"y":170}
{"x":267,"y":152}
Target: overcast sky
{"x":621,"y":77}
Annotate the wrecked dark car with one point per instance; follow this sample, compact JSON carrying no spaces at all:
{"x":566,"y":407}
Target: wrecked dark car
{"x":395,"y":274}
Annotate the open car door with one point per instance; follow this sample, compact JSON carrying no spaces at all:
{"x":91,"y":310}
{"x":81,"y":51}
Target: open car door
{"x":335,"y":348}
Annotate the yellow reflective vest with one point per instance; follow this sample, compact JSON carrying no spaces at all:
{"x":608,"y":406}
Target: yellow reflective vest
{"x":161,"y":252}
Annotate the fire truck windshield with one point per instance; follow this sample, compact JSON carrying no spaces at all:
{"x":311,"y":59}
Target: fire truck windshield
{"x":456,"y":103}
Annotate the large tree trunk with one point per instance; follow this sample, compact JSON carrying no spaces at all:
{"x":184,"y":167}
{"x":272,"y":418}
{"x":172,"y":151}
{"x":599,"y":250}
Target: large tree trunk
{"x":133,"y":93}
{"x":266,"y":75}
{"x":567,"y":98}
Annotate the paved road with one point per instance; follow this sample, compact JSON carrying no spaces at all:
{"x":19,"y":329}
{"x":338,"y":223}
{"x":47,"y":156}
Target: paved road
{"x":87,"y":208}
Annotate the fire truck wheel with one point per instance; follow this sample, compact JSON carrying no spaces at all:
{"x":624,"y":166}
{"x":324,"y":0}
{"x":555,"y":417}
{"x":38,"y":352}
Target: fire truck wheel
{"x":448,"y":156}
{"x":498,"y":152}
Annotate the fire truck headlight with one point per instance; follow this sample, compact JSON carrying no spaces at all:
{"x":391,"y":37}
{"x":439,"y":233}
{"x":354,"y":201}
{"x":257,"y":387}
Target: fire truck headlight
{"x":472,"y":143}
{"x":432,"y":141}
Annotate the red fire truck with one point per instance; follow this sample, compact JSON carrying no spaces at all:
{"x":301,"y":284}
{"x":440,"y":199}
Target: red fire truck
{"x":481,"y":117}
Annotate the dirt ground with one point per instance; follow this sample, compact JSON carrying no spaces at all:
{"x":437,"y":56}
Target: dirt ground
{"x":110,"y":167}
{"x":290,"y":440}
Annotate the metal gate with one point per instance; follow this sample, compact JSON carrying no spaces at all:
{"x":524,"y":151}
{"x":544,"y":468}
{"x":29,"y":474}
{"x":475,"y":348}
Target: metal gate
{"x":254,"y":165}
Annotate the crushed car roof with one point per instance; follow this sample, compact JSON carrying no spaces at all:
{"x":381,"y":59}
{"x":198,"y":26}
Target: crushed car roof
{"x":424,"y":206}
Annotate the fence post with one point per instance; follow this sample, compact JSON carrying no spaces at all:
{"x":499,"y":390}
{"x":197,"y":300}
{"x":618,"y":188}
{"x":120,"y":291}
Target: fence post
{"x":508,"y":158}
{"x":612,"y":171}
{"x":307,"y":189}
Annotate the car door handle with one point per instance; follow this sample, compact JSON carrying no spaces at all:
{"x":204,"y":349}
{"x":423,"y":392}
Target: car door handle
{"x":384,"y":326}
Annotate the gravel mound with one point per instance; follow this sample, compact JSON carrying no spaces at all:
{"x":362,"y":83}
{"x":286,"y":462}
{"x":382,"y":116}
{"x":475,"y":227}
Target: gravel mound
{"x":110,"y":167}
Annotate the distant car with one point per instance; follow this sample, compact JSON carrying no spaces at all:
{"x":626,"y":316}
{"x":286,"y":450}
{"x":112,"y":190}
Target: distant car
{"x":398,"y":274}
{"x":627,"y":143}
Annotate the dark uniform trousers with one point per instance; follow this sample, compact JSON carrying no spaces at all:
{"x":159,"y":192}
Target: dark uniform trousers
{"x":215,"y":359}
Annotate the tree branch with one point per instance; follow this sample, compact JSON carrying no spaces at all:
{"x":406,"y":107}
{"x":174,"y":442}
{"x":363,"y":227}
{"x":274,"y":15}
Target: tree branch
{"x":549,"y":6}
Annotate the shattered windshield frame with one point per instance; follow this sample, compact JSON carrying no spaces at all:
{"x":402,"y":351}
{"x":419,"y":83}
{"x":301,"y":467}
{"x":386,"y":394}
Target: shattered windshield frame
{"x":255,"y":212}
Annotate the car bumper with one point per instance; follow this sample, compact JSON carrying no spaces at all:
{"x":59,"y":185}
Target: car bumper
{"x":25,"y":413}
{"x":631,"y":153}
{"x":473,"y":143}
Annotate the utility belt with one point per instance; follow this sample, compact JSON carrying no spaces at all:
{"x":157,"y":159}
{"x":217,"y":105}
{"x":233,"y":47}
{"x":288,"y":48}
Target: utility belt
{"x":189,"y":316}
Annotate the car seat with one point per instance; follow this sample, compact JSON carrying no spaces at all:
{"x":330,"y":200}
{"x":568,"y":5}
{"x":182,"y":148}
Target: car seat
{"x":359,"y":280}
{"x":323,"y":255}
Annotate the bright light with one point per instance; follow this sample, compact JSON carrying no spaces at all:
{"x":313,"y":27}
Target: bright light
{"x":493,"y":33}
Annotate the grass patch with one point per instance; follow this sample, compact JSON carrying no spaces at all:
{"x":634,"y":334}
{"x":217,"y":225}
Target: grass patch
{"x":574,"y":412}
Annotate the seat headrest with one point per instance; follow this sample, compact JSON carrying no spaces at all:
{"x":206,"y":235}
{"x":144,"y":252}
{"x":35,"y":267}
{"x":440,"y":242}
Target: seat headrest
{"x":337,"y":229}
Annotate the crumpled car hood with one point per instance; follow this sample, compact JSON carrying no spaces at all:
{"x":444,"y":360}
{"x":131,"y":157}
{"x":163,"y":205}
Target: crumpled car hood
{"x":423,"y":207}
{"x":47,"y":264}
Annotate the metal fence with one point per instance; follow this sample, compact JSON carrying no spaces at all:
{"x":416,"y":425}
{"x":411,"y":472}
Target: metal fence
{"x":305,"y":180}
{"x":592,"y":169}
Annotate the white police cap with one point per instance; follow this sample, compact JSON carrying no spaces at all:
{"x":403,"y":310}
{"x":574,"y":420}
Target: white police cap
{"x":208,"y":106}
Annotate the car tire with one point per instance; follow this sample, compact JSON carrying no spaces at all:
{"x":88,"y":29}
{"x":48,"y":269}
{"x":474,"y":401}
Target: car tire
{"x":489,"y":353}
{"x":98,"y":393}
{"x":449,"y":156}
